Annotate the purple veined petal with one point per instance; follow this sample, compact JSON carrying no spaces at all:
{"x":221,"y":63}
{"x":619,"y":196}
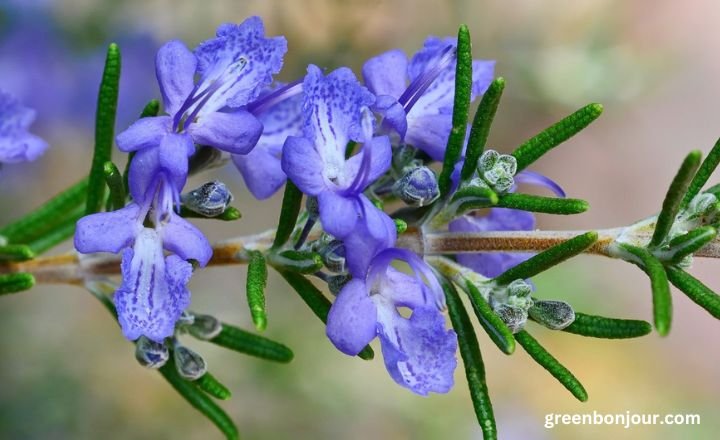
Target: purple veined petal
{"x":175,"y":69}
{"x":378,"y":268}
{"x":374,"y":232}
{"x":153,"y":293}
{"x":380,"y":160}
{"x":352,"y":320}
{"x":338,"y":214}
{"x":182,"y":238}
{"x":173,"y":156}
{"x":303,"y":165}
{"x":262,"y":172}
{"x":386,"y":74}
{"x":236,"y":133}
{"x":402,"y":289}
{"x":108,"y":231}
{"x":282,"y":119}
{"x":241,"y":60}
{"x":272,"y":98}
{"x":429,"y":133}
{"x":537,"y":179}
{"x":419,"y":353}
{"x":333,"y":109}
{"x":393,"y":113}
{"x":144,"y":133}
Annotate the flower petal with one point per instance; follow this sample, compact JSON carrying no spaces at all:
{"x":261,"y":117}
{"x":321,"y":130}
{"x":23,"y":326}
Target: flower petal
{"x":144,"y":133}
{"x":419,"y":353}
{"x":236,"y":133}
{"x":429,"y":133}
{"x":261,"y":171}
{"x":380,"y":158}
{"x":333,"y":109}
{"x":351,"y":323}
{"x":22,"y":148}
{"x":242,"y":60}
{"x":173,"y":154}
{"x":182,"y":238}
{"x":374,"y":232}
{"x":537,"y":179}
{"x":303,"y":165}
{"x":108,"y":231}
{"x":175,"y":69}
{"x":393,"y":113}
{"x":153,"y":292}
{"x":386,"y":74}
{"x":338,"y":214}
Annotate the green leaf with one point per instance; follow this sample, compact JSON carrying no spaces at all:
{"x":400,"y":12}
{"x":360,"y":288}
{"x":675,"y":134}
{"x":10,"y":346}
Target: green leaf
{"x":16,"y":252}
{"x":230,"y":214}
{"x":317,"y":302}
{"x":548,"y":205}
{"x":104,"y":129}
{"x":16,"y":282}
{"x":61,"y":232}
{"x":498,"y":331}
{"x":472,"y":358}
{"x":254,"y":345}
{"x":535,"y":147}
{"x":662,"y":301}
{"x":255,"y":287}
{"x":548,"y":362}
{"x":479,"y":195}
{"x":199,"y":400}
{"x":292,"y":200}
{"x":701,"y":294}
{"x":38,"y":222}
{"x":304,"y":262}
{"x":212,"y":386}
{"x":676,"y":192}
{"x":703,"y":173}
{"x":607,"y":328}
{"x":461,"y":108}
{"x":686,"y":244}
{"x":548,"y":258}
{"x":113,"y":179}
{"x":481,"y":127}
{"x":152,"y":108}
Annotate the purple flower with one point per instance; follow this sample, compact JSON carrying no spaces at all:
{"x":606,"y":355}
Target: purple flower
{"x":335,"y":112}
{"x":233,"y":69}
{"x":282,"y":117}
{"x":153,"y":293}
{"x":421,"y":112}
{"x":492,"y":264}
{"x":418,"y":351}
{"x":17,"y":144}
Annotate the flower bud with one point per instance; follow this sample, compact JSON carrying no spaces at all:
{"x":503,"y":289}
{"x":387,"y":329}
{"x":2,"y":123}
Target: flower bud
{"x":210,"y":199}
{"x":497,"y":170}
{"x":514,"y":317}
{"x":333,"y":256}
{"x":205,"y":327}
{"x":417,"y":187}
{"x":337,"y":282}
{"x":151,"y":354}
{"x":555,"y":315}
{"x":189,"y":364}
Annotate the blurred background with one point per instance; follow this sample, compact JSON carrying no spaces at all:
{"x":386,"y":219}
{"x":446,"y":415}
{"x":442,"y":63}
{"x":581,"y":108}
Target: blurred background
{"x":67,"y":373}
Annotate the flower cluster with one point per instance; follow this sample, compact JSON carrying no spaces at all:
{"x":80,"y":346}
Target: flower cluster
{"x":346,"y":145}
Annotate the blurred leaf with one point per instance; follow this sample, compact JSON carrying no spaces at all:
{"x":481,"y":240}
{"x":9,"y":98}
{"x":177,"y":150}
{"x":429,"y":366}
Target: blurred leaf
{"x":104,"y":129}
